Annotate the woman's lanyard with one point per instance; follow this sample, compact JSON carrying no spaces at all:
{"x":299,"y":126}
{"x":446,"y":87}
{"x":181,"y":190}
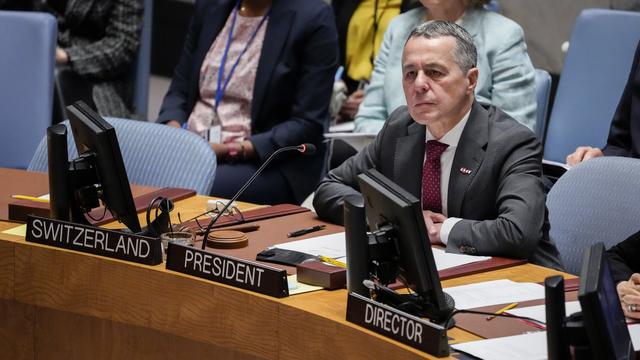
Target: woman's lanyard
{"x":221,"y":89}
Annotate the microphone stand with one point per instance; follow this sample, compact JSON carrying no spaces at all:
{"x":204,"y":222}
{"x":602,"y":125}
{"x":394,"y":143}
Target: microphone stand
{"x":302,"y":148}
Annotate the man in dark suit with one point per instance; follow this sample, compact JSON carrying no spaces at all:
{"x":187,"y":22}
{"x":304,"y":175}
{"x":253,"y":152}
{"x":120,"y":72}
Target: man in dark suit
{"x":624,"y":134}
{"x":480,"y":177}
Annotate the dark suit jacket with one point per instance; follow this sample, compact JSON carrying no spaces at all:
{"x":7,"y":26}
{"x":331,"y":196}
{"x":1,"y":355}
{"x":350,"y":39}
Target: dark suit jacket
{"x":293,"y":83}
{"x":501,"y":202}
{"x":624,"y":134}
{"x":624,"y":258}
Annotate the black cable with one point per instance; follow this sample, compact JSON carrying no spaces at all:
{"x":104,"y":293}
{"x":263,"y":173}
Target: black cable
{"x":104,"y":213}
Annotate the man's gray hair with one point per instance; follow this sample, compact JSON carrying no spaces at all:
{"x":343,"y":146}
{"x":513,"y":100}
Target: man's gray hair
{"x":465,"y":54}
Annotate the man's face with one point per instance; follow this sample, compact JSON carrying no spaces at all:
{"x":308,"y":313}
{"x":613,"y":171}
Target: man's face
{"x":435,"y":87}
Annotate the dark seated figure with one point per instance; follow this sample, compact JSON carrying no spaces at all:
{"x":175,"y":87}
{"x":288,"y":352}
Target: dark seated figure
{"x":476,"y":169}
{"x":625,"y":268}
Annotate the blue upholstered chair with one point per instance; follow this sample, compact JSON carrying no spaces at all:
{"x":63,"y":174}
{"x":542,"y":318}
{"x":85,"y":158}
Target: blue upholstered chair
{"x":596,"y":201}
{"x":142,"y":65}
{"x":154,"y":155}
{"x":543,"y":89}
{"x":595,"y":72}
{"x":28,"y":43}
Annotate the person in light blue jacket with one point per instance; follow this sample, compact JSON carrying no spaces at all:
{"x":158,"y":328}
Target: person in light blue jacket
{"x":506,"y":75}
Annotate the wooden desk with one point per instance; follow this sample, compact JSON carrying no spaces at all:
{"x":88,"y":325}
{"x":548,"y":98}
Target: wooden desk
{"x":22,"y":182}
{"x":57,"y":303}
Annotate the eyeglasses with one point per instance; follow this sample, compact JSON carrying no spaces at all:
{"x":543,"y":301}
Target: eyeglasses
{"x":233,"y":214}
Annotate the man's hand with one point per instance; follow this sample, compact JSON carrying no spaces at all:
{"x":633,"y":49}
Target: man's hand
{"x":629,"y":293}
{"x":433,"y":221}
{"x":61,"y":56}
{"x":583,"y":153}
{"x":350,"y":106}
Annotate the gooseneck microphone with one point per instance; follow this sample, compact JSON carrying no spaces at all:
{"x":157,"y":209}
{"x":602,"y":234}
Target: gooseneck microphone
{"x":305,"y":149}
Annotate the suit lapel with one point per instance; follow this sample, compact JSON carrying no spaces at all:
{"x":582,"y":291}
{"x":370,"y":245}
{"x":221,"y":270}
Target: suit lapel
{"x":280,"y":21}
{"x":468,"y":158}
{"x":408,"y":159}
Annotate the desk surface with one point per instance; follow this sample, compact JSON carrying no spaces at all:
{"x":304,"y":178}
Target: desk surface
{"x":75,"y":305}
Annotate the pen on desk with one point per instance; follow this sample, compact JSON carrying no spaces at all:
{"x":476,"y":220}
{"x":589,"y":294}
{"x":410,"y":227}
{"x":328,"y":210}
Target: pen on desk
{"x":332,"y":261}
{"x":506,"y":308}
{"x":30,"y":198}
{"x":306,"y":230}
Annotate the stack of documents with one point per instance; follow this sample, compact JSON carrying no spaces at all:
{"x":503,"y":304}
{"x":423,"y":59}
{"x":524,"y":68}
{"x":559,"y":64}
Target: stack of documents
{"x":531,"y":346}
{"x":333,"y":246}
{"x":538,"y":312}
{"x":493,"y":293}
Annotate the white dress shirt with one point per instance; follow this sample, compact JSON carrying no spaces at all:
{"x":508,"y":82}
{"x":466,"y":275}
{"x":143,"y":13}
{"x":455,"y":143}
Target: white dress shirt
{"x":451,"y":138}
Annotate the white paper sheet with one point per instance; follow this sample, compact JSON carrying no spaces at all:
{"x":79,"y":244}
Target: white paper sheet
{"x":332,"y":246}
{"x":526,"y":346}
{"x":531,"y":346}
{"x":357,"y":140}
{"x":538,"y":312}
{"x":634,"y":330}
{"x":446,"y":260}
{"x":348,"y":126}
{"x":493,"y":293}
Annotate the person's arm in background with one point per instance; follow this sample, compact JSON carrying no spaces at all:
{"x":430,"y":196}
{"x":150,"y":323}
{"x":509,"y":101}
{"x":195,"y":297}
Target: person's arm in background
{"x":312,"y":89}
{"x":513,"y":78}
{"x":114,"y":53}
{"x":173,"y":110}
{"x":619,"y":140}
{"x":373,"y":112}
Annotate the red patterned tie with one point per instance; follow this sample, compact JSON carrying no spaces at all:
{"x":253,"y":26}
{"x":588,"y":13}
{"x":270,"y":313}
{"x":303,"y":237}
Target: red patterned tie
{"x":431,"y":198}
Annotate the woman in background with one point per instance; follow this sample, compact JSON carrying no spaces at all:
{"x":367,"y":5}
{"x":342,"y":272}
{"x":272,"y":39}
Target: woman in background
{"x":255,"y":76}
{"x":506,"y":75}
{"x":361,"y":25}
{"x":98,"y":40}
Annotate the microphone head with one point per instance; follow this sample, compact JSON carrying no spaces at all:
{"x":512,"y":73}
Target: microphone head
{"x":307,"y":149}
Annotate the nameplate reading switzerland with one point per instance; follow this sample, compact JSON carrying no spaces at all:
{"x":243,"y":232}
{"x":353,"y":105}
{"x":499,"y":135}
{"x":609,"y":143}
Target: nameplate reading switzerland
{"x":228,"y":270}
{"x":392,"y":323}
{"x":94,"y":240}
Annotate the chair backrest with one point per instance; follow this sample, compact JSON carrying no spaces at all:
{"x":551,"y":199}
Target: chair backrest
{"x":142,"y":65}
{"x":154,"y":155}
{"x":596,"y":201}
{"x":595,"y":72}
{"x":543,"y":89}
{"x":28,"y":43}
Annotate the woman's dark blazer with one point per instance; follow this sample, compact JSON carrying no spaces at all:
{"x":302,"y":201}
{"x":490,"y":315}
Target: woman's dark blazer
{"x":293,"y":82}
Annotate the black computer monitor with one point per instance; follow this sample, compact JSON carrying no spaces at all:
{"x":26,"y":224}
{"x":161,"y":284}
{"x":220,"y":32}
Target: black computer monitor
{"x":97,"y":173}
{"x":601,"y":310}
{"x":393,"y":213}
